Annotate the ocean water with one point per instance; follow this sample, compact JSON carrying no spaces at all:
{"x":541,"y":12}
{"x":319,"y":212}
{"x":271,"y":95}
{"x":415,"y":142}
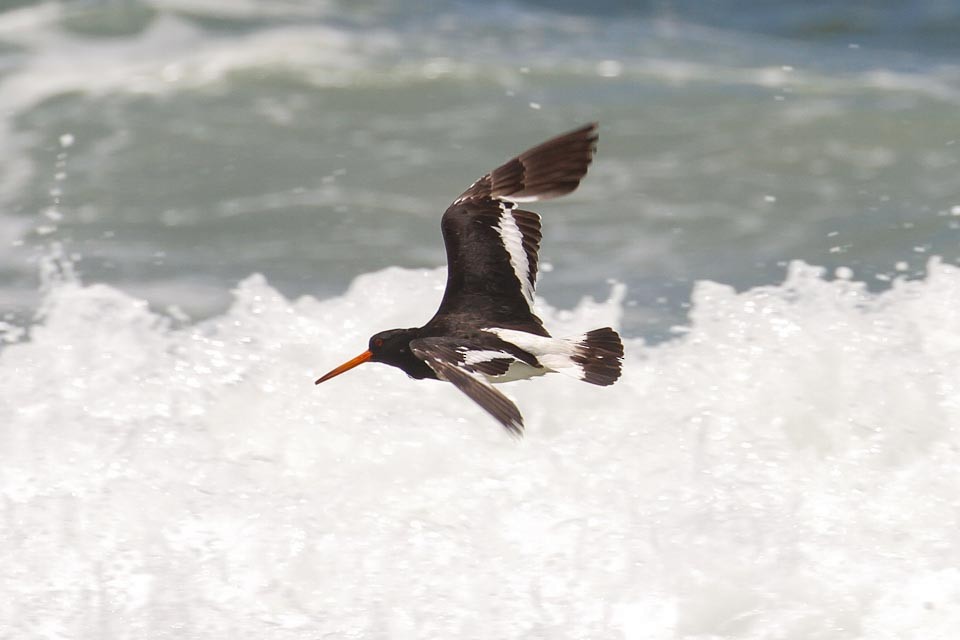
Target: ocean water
{"x":206,"y":204}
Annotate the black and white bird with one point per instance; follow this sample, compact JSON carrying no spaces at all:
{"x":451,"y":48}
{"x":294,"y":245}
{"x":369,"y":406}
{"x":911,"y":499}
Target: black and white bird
{"x":485,"y":330}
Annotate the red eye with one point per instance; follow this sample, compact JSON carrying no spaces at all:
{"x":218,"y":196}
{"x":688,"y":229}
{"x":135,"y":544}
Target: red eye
{"x":378,"y":342}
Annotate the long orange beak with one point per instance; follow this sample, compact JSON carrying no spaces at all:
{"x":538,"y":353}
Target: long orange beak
{"x":346,"y":366}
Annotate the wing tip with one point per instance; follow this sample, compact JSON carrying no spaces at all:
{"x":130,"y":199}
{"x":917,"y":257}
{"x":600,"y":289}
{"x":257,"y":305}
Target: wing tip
{"x":436,"y":354}
{"x":514,"y":430}
{"x":511,"y":419}
{"x":556,"y":167}
{"x":591,"y":129}
{"x":548,"y":170}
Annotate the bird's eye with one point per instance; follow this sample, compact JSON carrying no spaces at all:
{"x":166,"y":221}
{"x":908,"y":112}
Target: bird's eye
{"x":378,"y":342}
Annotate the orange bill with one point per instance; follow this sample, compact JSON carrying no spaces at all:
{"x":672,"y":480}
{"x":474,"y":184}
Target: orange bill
{"x":346,"y":366}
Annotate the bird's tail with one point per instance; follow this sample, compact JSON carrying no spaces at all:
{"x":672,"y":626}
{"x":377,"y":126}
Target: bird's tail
{"x":599,"y":356}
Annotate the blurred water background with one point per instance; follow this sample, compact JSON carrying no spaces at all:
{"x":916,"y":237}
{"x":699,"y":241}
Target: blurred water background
{"x":174,"y":147}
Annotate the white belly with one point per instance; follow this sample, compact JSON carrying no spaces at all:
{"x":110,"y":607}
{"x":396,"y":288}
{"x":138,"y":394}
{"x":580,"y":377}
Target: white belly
{"x":518,"y":370}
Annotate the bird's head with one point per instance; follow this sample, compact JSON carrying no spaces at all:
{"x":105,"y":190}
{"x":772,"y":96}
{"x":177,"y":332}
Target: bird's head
{"x":390,"y":347}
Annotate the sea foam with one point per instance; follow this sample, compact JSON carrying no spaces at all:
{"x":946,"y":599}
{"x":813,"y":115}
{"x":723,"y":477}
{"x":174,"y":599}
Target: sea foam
{"x":786,"y":467}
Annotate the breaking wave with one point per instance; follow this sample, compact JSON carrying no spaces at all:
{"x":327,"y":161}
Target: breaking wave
{"x":786,"y":466}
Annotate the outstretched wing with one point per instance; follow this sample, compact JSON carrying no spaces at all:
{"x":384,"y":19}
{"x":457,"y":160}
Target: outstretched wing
{"x":492,"y":245}
{"x":444,"y":357}
{"x":548,"y":170}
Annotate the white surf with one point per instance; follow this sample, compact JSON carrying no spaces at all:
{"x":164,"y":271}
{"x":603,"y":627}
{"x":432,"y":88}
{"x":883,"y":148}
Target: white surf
{"x":786,"y":467}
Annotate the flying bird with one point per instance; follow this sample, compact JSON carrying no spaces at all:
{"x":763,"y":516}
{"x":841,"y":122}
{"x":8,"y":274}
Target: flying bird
{"x":485,"y":331}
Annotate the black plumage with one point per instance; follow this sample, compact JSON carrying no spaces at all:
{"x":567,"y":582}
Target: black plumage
{"x":484,"y":329}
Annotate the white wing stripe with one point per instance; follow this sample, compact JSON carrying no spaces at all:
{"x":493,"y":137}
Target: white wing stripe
{"x":517,"y":369}
{"x":556,"y":354}
{"x":471,"y":357}
{"x":520,"y":199}
{"x":512,"y":239}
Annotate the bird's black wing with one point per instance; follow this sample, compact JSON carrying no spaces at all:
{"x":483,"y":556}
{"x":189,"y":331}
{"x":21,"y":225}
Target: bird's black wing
{"x":548,"y":170}
{"x":492,"y":245}
{"x":446,"y":357}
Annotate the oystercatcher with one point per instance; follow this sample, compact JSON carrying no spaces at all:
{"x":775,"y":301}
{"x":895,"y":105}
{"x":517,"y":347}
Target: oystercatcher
{"x":485,"y":330}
